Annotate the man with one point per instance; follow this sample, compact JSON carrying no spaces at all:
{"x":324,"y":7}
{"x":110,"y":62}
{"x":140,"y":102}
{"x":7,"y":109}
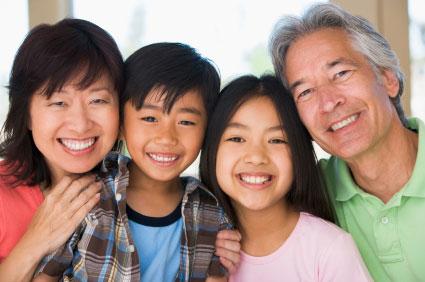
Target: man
{"x":346,"y":83}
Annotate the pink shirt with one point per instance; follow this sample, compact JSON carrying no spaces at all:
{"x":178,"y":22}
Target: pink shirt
{"x":17,"y":207}
{"x":316,"y":250}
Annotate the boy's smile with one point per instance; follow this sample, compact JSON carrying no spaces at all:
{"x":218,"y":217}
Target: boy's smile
{"x":163,"y":144}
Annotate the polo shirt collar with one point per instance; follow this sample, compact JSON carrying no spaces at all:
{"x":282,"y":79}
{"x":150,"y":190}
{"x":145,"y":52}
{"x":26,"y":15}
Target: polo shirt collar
{"x":415,"y":187}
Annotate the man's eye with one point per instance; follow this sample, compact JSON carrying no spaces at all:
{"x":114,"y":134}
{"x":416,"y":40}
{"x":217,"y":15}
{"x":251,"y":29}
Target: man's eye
{"x":187,"y":122}
{"x":303,"y":95}
{"x":235,"y":139}
{"x":343,"y":74}
{"x":149,"y":119}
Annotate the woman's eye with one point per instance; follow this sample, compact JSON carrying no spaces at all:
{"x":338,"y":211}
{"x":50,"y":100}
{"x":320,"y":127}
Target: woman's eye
{"x":278,"y":141}
{"x":149,"y":119}
{"x":98,"y":101}
{"x":187,"y":122}
{"x":235,"y":139}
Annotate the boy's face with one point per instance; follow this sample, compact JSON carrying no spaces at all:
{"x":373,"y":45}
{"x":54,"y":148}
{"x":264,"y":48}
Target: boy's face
{"x":162,"y":145}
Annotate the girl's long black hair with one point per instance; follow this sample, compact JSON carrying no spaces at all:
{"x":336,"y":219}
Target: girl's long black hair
{"x":307,"y":193}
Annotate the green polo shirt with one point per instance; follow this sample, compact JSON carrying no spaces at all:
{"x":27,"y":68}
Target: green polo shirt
{"x":391,"y":236}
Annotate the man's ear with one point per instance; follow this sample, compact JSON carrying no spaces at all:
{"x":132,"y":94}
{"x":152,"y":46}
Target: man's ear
{"x":390,"y":82}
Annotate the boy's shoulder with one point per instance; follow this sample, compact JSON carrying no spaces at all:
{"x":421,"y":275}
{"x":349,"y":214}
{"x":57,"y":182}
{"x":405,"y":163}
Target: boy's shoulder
{"x":196,"y":190}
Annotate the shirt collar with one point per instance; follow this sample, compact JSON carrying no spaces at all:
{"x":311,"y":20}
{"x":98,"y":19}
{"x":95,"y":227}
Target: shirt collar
{"x":415,"y":187}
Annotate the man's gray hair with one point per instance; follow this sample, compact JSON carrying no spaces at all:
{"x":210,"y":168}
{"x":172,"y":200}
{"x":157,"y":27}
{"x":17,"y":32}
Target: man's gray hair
{"x":364,"y":37}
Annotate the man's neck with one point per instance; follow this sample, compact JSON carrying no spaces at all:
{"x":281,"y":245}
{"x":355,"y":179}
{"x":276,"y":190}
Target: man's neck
{"x":384,"y":170}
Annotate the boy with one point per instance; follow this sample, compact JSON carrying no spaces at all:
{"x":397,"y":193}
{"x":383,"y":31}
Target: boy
{"x":148,"y":214}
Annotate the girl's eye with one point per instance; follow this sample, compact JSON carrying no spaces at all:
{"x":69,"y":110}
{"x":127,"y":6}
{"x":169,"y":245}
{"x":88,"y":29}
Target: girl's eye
{"x":278,"y":141}
{"x":187,"y":122}
{"x":149,"y":119}
{"x":58,"y":104}
{"x":236,"y":139}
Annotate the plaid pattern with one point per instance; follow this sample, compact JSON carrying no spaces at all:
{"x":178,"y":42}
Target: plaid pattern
{"x":101,"y":249}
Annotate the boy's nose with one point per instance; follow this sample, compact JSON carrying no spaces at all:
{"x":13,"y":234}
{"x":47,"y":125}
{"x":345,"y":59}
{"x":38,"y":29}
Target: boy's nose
{"x":166,"y":136}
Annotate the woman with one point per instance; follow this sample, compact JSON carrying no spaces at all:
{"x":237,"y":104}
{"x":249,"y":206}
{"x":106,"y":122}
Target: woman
{"x":63,"y":119}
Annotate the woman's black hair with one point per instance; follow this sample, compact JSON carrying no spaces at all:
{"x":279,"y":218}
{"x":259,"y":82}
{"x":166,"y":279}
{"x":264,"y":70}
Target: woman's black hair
{"x":49,"y":57}
{"x":174,"y":69}
{"x":307,"y":192}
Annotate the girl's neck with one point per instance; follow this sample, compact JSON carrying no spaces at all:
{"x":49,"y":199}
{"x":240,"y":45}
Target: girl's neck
{"x":263,"y":232}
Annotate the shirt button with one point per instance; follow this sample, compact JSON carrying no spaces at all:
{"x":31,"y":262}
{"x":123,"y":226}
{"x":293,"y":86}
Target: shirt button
{"x":118,"y":196}
{"x":130,"y":248}
{"x":384,"y":220}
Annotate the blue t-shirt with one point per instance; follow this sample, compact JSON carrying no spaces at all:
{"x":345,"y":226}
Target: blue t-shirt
{"x":157,"y":241}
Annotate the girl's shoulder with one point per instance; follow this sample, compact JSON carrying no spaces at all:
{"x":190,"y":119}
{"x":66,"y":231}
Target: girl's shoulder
{"x":319,"y":230}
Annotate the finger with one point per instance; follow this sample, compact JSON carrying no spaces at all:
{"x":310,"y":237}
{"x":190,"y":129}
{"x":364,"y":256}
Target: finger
{"x":231,"y":256}
{"x":85,"y":196}
{"x":229,"y":234}
{"x":234,"y":246}
{"x":231,"y":268}
{"x":60,"y":188}
{"x":77,"y":186}
{"x":79,"y":215}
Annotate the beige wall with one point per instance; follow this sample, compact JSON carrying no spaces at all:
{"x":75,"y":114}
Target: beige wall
{"x":391,"y":18}
{"x":48,"y":11}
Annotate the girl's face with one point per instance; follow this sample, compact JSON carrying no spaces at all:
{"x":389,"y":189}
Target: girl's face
{"x":254,"y":166}
{"x":75,"y":128}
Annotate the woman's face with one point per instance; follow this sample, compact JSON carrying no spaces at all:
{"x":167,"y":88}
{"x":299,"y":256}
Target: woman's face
{"x":75,"y":128}
{"x":254,"y":166}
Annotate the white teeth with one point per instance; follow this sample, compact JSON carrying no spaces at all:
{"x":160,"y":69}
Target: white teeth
{"x":255,"y":179}
{"x":162,"y":158}
{"x":344,"y":122}
{"x":77,"y":145}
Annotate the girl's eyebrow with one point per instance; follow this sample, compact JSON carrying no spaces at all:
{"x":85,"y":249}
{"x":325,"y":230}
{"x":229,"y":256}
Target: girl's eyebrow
{"x":245,"y":127}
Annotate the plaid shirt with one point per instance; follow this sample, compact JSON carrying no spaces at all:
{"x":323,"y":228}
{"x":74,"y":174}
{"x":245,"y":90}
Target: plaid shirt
{"x":101,"y":248}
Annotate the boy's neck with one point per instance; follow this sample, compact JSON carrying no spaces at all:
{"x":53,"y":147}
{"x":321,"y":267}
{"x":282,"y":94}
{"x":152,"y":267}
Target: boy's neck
{"x":151,"y":197}
{"x":263,"y":232}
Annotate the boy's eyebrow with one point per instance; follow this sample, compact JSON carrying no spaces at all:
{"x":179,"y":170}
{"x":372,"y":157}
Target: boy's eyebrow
{"x":151,"y":107}
{"x":190,"y":110}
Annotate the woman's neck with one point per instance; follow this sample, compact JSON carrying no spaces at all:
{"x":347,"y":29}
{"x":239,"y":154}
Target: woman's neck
{"x":263,"y":232}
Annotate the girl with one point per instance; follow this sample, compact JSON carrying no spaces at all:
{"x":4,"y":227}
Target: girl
{"x":259,"y":161}
{"x":63,"y":119}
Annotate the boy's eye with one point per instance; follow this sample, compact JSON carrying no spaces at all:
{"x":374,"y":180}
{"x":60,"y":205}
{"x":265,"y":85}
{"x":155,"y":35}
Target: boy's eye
{"x":278,"y":141}
{"x":186,"y":122}
{"x":149,"y":119}
{"x":236,"y":139}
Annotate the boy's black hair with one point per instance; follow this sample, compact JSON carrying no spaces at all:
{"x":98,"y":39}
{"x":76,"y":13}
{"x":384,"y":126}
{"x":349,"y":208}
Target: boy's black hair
{"x":49,"y":57}
{"x":307,"y":192}
{"x":173,"y":69}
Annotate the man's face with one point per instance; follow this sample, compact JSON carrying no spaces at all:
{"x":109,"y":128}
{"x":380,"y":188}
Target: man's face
{"x":343,"y":103}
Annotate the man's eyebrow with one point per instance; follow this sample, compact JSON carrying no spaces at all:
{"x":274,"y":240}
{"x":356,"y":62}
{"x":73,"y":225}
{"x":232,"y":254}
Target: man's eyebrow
{"x":339,"y":61}
{"x":100,"y":88}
